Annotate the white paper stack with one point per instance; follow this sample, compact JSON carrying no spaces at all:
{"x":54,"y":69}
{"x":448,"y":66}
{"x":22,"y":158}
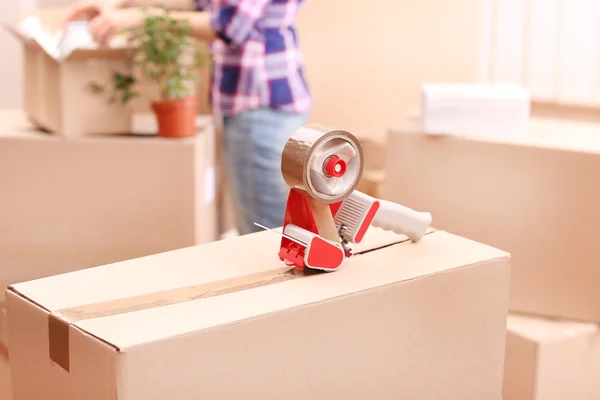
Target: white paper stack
{"x":486,"y":110}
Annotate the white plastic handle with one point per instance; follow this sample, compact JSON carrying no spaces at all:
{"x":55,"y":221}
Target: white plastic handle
{"x":402,"y":220}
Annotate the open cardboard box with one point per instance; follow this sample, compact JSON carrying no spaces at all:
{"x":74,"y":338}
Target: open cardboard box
{"x":227,"y":320}
{"x":58,"y":85}
{"x":57,"y":93}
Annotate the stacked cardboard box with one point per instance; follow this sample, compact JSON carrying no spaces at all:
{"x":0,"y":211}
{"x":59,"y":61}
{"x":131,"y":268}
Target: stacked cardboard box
{"x":228,"y":320}
{"x":68,"y":204}
{"x":534,"y":197}
{"x":551,"y":359}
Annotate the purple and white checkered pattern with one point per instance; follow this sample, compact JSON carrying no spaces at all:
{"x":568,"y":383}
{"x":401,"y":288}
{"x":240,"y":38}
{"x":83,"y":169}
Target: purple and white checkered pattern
{"x":257,"y":63}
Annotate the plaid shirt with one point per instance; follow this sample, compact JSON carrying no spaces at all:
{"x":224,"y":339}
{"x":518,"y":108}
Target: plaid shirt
{"x":257,"y":63}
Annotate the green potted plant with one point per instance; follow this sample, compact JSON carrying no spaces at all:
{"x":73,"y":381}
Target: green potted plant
{"x":165,"y":53}
{"x":122,"y":88}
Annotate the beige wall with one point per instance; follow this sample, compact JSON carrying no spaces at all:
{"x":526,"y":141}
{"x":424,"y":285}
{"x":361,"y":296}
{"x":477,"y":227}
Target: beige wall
{"x":365,"y":60}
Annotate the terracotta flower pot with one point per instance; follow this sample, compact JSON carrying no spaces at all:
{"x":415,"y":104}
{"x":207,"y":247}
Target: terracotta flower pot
{"x":176,"y":118}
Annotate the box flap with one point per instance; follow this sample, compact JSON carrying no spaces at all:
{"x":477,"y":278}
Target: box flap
{"x":75,"y":42}
{"x":14,"y":31}
{"x":152,"y":298}
{"x":542,"y":330}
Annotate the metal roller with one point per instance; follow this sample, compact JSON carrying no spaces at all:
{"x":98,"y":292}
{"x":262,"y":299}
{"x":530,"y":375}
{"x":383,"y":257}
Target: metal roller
{"x":325,"y":163}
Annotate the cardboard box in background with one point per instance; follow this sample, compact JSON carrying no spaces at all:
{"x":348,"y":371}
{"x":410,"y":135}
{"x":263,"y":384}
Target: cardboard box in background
{"x":57,"y":94}
{"x":551,"y":360}
{"x":72,"y":204}
{"x":175,"y":324}
{"x":374,"y":167}
{"x":531,"y":197}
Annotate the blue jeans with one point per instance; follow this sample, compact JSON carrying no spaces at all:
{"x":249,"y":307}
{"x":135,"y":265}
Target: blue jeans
{"x":253,"y":142}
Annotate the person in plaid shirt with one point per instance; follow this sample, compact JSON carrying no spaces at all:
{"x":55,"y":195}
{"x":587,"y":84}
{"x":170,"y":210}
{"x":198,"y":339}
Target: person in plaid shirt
{"x":259,"y":90}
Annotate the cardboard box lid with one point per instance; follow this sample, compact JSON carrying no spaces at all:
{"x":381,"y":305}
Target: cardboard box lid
{"x":545,"y":330}
{"x":152,"y":296}
{"x":41,"y":28}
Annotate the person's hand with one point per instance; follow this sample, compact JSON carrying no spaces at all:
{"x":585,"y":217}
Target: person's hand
{"x":89,"y":9}
{"x":109,"y":22}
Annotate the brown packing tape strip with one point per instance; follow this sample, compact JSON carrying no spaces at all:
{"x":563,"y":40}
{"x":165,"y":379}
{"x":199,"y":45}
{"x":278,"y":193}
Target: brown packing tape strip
{"x":59,"y":322}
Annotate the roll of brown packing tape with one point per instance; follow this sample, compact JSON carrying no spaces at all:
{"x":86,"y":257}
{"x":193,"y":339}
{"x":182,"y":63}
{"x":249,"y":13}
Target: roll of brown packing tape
{"x":304,"y":157}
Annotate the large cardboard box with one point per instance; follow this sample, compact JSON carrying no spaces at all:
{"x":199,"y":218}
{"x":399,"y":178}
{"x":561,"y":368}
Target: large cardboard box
{"x":551,"y":360}
{"x":228,"y":320}
{"x":532,"y":197}
{"x":71,"y":204}
{"x":57,"y":93}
